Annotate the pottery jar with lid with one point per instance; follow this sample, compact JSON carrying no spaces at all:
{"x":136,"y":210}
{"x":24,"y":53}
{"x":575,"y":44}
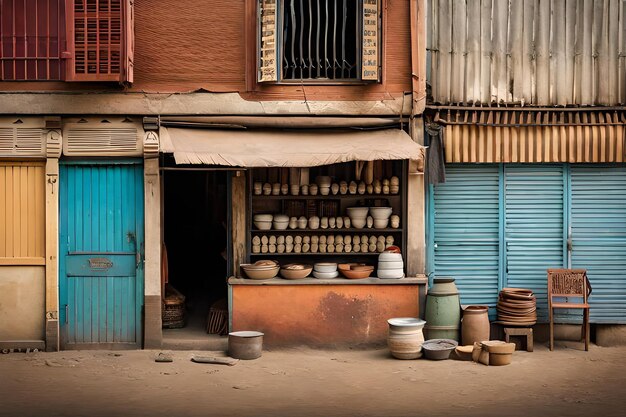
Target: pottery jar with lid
{"x":443,"y":310}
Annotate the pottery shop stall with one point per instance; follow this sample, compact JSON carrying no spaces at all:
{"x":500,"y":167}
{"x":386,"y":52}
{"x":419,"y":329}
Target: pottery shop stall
{"x":303,"y":205}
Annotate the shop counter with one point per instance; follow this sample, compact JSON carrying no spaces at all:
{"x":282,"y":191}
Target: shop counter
{"x":323,"y":312}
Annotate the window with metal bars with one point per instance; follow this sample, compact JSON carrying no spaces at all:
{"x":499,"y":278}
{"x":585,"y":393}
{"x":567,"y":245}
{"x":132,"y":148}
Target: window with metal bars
{"x":66,"y":40}
{"x":318,"y":41}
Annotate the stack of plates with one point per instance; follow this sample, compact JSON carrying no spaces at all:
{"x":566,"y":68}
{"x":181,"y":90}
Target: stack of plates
{"x":517,"y":307}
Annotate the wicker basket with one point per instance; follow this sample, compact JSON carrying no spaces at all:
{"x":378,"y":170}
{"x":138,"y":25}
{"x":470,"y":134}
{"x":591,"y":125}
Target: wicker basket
{"x":173,"y":312}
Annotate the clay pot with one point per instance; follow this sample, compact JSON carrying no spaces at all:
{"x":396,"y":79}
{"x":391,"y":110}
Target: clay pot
{"x":405,"y":337}
{"x":276,"y":188}
{"x":443,"y":310}
{"x":313,"y":189}
{"x":475,"y":324}
{"x":284,"y":189}
{"x":258,"y":188}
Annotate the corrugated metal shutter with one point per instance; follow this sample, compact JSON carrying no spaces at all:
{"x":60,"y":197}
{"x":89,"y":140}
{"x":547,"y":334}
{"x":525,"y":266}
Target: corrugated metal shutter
{"x":598,"y":231}
{"x":466,"y":231}
{"x":533,"y":227}
{"x":22,"y":213}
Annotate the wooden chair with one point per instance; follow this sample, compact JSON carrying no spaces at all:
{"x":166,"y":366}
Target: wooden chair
{"x":569,"y":289}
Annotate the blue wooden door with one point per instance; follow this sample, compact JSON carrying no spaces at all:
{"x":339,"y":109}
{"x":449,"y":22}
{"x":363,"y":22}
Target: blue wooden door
{"x":100,"y":248}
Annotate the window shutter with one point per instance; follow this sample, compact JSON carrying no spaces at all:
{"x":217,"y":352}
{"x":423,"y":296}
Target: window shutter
{"x":268,"y":52}
{"x":370,"y":68}
{"x":100,"y":40}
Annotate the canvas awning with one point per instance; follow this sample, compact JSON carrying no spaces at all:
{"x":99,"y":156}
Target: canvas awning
{"x":273,"y":148}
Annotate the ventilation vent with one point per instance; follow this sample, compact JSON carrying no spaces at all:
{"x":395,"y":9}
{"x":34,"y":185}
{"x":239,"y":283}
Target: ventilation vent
{"x":84,"y":141}
{"x":25,"y":142}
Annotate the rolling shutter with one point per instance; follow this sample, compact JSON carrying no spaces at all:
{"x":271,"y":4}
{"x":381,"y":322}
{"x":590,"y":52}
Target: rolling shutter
{"x":598,"y":235}
{"x":533,"y":227}
{"x":100,"y":40}
{"x":466,"y":232}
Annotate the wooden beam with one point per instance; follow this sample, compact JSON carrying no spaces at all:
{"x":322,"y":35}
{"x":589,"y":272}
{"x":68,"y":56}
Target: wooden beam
{"x":416,"y":217}
{"x":238,"y":220}
{"x":52,"y":249}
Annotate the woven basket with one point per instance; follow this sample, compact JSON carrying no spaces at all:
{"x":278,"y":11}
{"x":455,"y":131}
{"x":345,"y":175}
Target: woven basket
{"x":173,"y":312}
{"x":217,"y":320}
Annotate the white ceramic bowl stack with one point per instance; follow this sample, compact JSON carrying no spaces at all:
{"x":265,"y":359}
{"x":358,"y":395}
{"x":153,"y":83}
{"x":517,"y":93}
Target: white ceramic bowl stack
{"x":358,"y":216}
{"x":263,"y":221}
{"x":390,"y":265}
{"x":381,"y":216}
{"x":325,"y":270}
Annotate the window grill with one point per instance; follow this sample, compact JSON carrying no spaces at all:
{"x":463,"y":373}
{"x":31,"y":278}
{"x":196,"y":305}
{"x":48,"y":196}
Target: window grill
{"x":321,"y":40}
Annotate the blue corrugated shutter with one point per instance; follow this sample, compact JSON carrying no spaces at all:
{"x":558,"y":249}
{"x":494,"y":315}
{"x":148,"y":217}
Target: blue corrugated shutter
{"x":466,"y":231}
{"x":533,"y":229}
{"x":598,"y":219}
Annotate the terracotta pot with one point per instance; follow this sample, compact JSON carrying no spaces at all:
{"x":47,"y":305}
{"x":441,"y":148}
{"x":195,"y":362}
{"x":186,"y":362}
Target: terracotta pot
{"x":475,"y":324}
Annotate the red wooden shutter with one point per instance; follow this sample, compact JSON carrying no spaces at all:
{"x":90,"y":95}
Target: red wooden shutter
{"x":32,"y":40}
{"x":100,"y":40}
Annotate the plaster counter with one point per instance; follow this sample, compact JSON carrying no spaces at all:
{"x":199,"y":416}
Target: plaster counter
{"x":323,"y":312}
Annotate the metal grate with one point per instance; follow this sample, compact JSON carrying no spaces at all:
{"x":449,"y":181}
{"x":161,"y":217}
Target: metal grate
{"x":320,"y":39}
{"x":32,"y":39}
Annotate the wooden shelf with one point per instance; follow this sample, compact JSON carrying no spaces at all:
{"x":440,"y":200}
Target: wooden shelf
{"x":322,"y":197}
{"x":317,"y":254}
{"x":326,"y":231}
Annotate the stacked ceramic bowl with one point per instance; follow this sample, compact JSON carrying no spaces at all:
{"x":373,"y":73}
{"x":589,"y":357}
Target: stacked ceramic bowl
{"x":263,"y":221}
{"x":325,"y":270}
{"x":390,"y":265}
{"x":517,"y":307}
{"x":381,"y":216}
{"x":358,"y":216}
{"x":324,"y":183}
{"x":280,"y":221}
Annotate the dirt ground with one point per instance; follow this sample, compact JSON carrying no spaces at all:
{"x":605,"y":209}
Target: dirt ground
{"x":306,"y":382}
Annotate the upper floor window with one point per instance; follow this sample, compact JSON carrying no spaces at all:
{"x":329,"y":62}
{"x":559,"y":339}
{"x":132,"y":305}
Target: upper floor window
{"x":318,"y":41}
{"x":66,"y":40}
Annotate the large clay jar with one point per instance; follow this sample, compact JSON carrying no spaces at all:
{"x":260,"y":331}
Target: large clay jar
{"x":475,"y":324}
{"x":443,"y":310}
{"x":405,"y":337}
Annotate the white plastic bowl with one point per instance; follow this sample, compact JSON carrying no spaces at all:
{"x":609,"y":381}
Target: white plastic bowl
{"x":390,"y":273}
{"x":390,"y":265}
{"x":325,"y":267}
{"x":325,"y":275}
{"x":380,"y":212}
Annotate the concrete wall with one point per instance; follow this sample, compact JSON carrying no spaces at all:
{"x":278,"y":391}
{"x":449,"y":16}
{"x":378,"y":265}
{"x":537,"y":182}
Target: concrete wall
{"x":22,"y":302}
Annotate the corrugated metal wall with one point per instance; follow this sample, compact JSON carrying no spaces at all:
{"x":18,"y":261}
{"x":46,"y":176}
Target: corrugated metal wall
{"x":534,"y":52}
{"x":22,"y":213}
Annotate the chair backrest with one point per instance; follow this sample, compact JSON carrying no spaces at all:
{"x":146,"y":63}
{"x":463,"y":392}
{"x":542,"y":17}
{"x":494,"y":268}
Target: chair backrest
{"x":565,"y":283}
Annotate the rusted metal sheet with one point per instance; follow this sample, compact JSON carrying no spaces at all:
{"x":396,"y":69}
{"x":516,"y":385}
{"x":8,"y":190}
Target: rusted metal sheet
{"x":530,"y":52}
{"x":321,"y":315}
{"x":534,"y":136}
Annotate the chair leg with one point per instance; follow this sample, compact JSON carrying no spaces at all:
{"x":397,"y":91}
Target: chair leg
{"x":587,"y":329}
{"x":551,"y":330}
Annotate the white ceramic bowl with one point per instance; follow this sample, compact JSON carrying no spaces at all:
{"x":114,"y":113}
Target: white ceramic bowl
{"x":358,"y":223}
{"x":390,"y":273}
{"x":263,"y":225}
{"x":279,"y":218}
{"x":357,"y":212}
{"x":389,"y":256}
{"x":380,"y":212}
{"x":325,"y":267}
{"x":263,"y":217}
{"x":326,"y":275}
{"x":280,"y":225}
{"x":381,"y":223}
{"x":390,"y":265}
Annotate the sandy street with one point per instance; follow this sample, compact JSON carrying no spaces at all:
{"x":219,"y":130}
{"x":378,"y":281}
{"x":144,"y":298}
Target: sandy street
{"x":306,"y":382}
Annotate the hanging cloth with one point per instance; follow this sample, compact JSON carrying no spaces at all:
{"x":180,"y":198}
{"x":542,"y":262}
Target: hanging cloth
{"x":435,"y":166}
